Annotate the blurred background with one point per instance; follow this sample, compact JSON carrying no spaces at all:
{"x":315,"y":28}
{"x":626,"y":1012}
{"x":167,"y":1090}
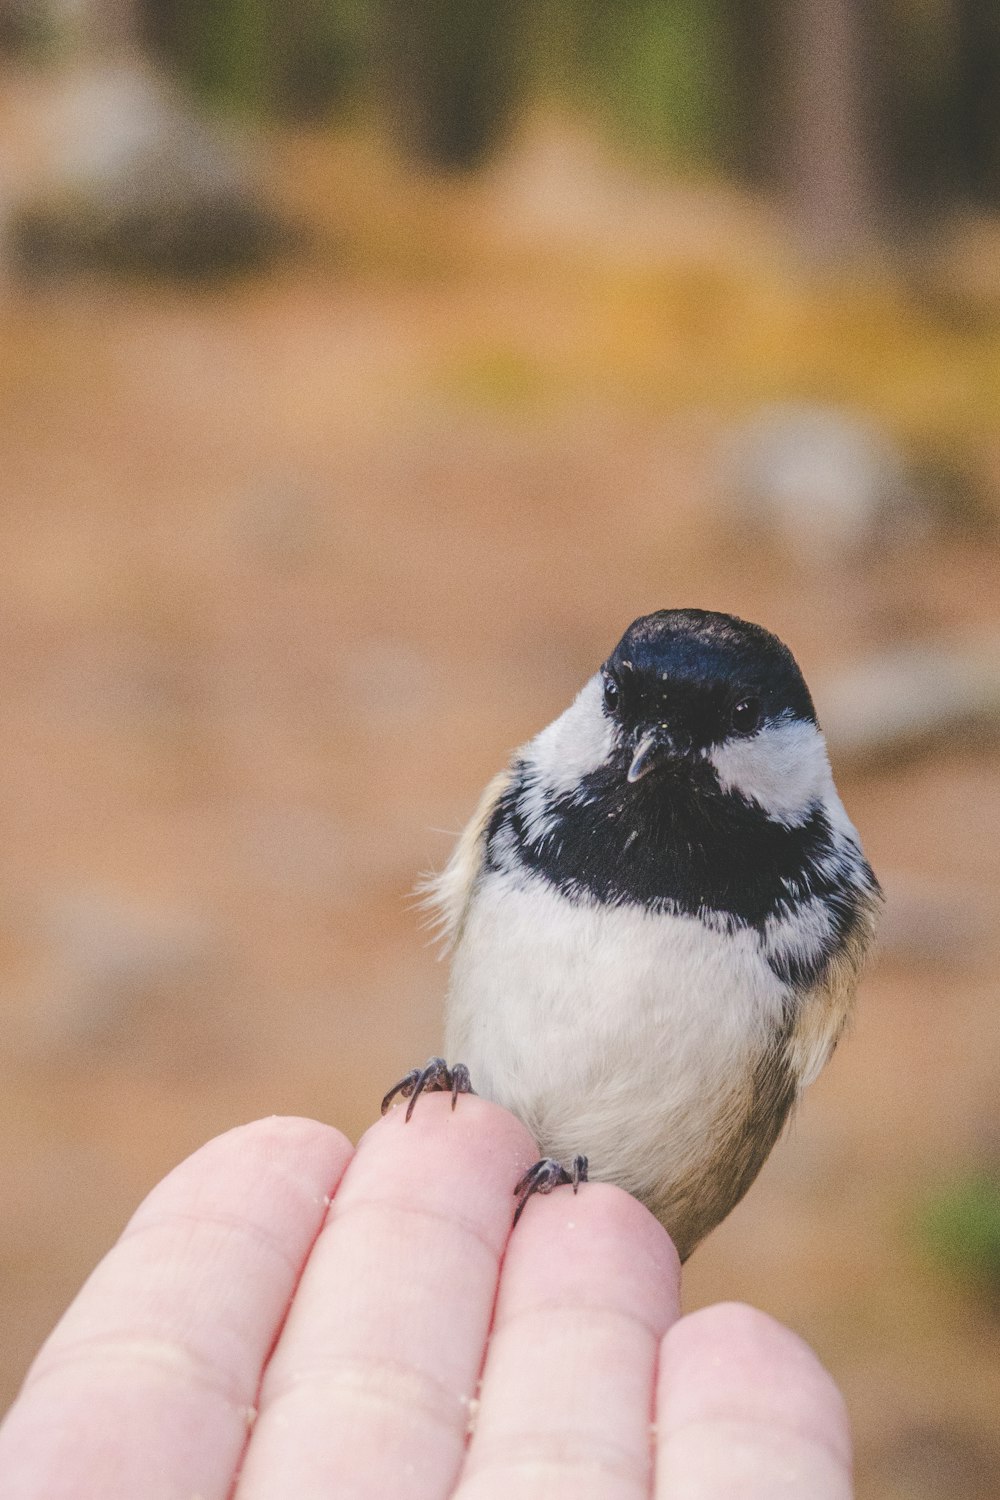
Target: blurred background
{"x":367,"y":366}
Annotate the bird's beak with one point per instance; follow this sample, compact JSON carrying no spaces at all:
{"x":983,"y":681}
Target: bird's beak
{"x":656,"y":748}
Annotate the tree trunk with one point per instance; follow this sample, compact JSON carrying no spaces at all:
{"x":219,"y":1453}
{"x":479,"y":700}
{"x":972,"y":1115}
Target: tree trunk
{"x":834,"y":176}
{"x":446,"y":74}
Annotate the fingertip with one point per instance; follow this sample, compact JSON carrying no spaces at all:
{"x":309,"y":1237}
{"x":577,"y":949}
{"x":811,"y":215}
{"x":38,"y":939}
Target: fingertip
{"x":602,"y":1208}
{"x":474,"y":1131}
{"x":752,"y":1355}
{"x":245,"y":1166}
{"x":593,"y":1243}
{"x":460,"y":1165}
{"x":286,"y":1135}
{"x":731,"y":1367}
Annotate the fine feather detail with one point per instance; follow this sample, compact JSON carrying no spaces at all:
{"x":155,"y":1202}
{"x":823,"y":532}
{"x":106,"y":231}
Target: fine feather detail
{"x":825,"y":1011}
{"x":445,"y":895}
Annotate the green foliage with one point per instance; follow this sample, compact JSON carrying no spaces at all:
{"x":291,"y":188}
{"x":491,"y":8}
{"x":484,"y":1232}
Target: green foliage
{"x":298,"y":59}
{"x":498,"y":379}
{"x":702,"y":80}
{"x":231,"y":48}
{"x":655,"y":68}
{"x":960,"y":1227}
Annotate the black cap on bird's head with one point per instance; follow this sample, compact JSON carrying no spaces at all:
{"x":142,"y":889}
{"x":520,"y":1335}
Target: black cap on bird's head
{"x":689,"y":770}
{"x":681,"y":681}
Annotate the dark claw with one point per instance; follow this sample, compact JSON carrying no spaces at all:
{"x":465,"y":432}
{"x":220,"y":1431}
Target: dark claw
{"x":461,"y":1083}
{"x":432,"y":1077}
{"x":435,"y":1077}
{"x":405,"y":1086}
{"x":546,"y":1175}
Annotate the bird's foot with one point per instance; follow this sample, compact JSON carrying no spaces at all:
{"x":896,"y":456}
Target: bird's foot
{"x":546,"y":1175}
{"x":435,"y":1077}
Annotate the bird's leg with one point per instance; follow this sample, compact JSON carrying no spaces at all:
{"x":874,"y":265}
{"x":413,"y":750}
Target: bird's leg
{"x":544,"y":1176}
{"x":435,"y":1077}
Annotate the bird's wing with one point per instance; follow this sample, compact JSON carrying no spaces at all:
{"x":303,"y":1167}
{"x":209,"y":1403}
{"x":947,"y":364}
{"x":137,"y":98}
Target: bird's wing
{"x":826,"y":1009}
{"x":447,"y":895}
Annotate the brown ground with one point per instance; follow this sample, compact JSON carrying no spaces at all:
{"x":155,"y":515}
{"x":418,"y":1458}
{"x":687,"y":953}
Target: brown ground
{"x":288,"y":569}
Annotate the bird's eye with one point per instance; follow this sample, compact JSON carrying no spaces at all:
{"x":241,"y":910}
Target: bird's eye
{"x":612,"y":694}
{"x":745,"y":715}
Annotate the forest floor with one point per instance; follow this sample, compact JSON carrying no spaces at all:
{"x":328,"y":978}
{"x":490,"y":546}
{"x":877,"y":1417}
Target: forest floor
{"x":288,"y":566}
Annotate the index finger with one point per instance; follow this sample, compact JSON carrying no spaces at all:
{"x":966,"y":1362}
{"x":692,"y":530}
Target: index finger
{"x":148,"y":1383}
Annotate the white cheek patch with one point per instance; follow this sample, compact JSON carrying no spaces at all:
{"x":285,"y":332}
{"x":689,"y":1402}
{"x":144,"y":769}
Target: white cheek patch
{"x":572,"y":746}
{"x":783,"y":768}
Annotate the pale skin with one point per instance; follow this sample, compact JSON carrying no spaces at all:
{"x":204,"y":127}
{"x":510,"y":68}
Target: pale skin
{"x":286,"y":1316}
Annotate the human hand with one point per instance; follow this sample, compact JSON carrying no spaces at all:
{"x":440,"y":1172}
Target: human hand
{"x":284,"y":1318}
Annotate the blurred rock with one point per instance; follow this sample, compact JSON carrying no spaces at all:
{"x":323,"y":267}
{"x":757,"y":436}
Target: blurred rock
{"x":278,"y":519}
{"x":24,"y":28}
{"x":391,"y":684}
{"x":297,"y":850}
{"x":826,"y":486}
{"x":911,"y":698}
{"x":112,"y":961}
{"x":931,"y":1461}
{"x":932,"y":921}
{"x":129,"y":178}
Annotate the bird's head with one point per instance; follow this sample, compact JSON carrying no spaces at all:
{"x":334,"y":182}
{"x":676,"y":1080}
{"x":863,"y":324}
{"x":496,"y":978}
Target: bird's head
{"x":696,"y":699}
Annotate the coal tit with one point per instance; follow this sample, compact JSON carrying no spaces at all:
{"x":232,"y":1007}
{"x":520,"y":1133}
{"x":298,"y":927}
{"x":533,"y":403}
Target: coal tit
{"x":658,"y":916}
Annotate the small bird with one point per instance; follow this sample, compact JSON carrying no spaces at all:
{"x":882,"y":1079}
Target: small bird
{"x":658,"y":915}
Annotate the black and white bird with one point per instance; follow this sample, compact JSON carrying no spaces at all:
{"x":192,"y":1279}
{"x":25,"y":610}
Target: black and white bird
{"x":658,"y":916}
